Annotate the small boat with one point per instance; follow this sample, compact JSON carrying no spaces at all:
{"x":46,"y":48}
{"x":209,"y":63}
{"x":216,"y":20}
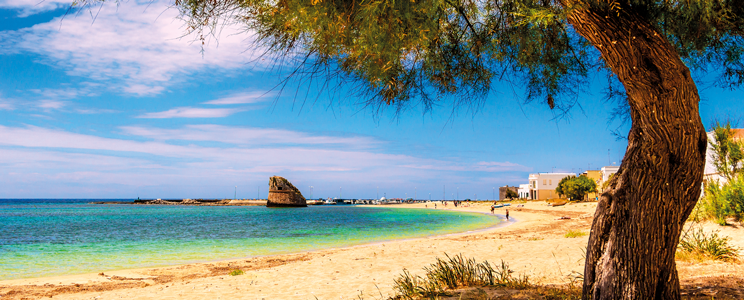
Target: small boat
{"x":507,"y":204}
{"x":497,"y":206}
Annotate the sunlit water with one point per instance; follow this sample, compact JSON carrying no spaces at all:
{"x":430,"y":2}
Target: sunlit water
{"x":40,"y":238}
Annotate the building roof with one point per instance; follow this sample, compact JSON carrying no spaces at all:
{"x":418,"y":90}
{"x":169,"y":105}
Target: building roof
{"x":738,"y":133}
{"x":710,"y":168}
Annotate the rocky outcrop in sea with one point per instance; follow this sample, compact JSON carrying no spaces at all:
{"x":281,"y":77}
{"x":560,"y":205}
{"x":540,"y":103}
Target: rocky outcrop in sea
{"x":283,"y":194}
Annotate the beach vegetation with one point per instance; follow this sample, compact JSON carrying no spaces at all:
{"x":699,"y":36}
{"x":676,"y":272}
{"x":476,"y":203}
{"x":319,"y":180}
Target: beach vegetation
{"x":697,"y":245}
{"x":395,"y":54}
{"x":510,"y":194}
{"x":575,"y":188}
{"x":236,"y":272}
{"x":575,"y":233}
{"x":723,"y":200}
{"x":606,"y":183}
{"x":728,"y":153}
{"x":446,"y":275}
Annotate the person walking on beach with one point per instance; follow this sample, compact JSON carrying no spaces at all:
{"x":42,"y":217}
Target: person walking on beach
{"x":492,"y":208}
{"x":507,"y":215}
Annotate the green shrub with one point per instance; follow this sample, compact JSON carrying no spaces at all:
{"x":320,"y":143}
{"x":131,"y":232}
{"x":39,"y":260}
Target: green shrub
{"x":698,"y":244}
{"x":575,"y":188}
{"x":236,"y":272}
{"x":452,"y":273}
{"x":575,"y":233}
{"x":722,"y":201}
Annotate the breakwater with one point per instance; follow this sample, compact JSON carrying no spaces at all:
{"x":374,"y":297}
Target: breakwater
{"x":195,"y":202}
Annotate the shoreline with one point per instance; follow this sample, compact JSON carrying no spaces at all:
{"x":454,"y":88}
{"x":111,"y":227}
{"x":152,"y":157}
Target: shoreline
{"x":177,"y":263}
{"x":534,"y":246}
{"x":348,"y":262}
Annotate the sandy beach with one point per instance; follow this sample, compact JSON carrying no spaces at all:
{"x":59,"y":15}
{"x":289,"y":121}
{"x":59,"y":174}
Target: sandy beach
{"x":533,"y":243}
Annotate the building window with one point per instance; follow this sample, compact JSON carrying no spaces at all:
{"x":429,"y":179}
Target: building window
{"x":544,"y":181}
{"x":551,"y":181}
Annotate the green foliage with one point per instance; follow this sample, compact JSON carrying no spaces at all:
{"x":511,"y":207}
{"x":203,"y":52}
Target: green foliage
{"x":722,"y":201}
{"x":575,"y":233}
{"x":607,"y":182}
{"x":452,"y":273}
{"x":236,"y":272}
{"x":727,"y":153}
{"x":696,"y":243}
{"x":511,"y":194}
{"x":396,"y":51}
{"x":576,"y":188}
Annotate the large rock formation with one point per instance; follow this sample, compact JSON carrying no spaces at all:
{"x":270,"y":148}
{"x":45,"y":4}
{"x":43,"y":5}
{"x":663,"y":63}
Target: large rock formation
{"x":283,"y":194}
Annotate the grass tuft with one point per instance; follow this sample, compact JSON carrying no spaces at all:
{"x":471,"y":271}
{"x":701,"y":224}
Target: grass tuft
{"x":575,"y":233}
{"x":454,"y":272}
{"x":697,"y":245}
{"x":236,"y":272}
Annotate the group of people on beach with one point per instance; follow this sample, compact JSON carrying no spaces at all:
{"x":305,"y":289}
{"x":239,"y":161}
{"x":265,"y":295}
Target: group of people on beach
{"x":461,"y":203}
{"x":466,"y":204}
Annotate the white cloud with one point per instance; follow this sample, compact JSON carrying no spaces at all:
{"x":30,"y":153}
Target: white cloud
{"x":245,"y":136}
{"x":37,"y":137}
{"x":136,"y":46}
{"x":58,"y":159}
{"x":192,"y":112}
{"x":93,"y":111}
{"x":6,"y":104}
{"x":241,"y":98}
{"x":31,"y":7}
{"x":50,"y":104}
{"x":64,"y":93}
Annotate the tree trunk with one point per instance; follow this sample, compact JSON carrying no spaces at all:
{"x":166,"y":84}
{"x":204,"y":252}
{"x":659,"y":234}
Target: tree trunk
{"x":640,"y":216}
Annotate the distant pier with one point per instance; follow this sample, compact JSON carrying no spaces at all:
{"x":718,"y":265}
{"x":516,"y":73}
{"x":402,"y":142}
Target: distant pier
{"x":260,"y":202}
{"x":195,"y":202}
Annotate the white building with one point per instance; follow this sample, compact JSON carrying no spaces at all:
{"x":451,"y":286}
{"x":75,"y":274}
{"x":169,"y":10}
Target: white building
{"x":710,"y":173}
{"x":524,"y":191}
{"x":542,"y":185}
{"x":607,"y":171}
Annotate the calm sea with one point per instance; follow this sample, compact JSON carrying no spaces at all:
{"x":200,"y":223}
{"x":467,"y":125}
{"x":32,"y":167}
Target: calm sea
{"x":40,"y":238}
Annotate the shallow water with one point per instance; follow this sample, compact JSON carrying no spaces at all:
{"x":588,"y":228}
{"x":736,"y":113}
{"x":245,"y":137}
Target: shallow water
{"x":40,"y":238}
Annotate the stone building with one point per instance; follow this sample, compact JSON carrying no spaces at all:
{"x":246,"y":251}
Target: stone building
{"x":502,"y":191}
{"x":283,"y":194}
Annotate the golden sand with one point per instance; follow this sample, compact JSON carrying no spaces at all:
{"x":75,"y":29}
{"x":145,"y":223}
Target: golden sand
{"x":534,"y":245}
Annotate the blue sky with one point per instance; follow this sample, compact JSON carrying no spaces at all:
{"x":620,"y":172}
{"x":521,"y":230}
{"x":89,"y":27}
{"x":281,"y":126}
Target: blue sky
{"x":125,"y":106}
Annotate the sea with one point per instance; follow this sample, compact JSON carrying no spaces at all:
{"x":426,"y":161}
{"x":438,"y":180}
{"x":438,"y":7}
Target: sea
{"x":53,"y":237}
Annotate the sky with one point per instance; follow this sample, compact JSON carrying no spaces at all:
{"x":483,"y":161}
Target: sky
{"x":118,"y":102}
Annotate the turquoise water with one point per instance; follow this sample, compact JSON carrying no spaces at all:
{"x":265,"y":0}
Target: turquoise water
{"x":40,"y":238}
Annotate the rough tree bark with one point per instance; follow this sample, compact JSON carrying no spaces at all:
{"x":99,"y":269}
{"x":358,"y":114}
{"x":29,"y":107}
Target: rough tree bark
{"x":639,"y":218}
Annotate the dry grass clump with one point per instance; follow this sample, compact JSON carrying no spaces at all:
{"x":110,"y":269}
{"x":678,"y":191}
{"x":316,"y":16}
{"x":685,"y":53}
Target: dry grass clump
{"x":557,"y":201}
{"x":454,"y":272}
{"x":575,"y":233}
{"x":695,"y":244}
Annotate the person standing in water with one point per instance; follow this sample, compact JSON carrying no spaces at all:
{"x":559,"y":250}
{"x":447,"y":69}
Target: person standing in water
{"x":507,"y":215}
